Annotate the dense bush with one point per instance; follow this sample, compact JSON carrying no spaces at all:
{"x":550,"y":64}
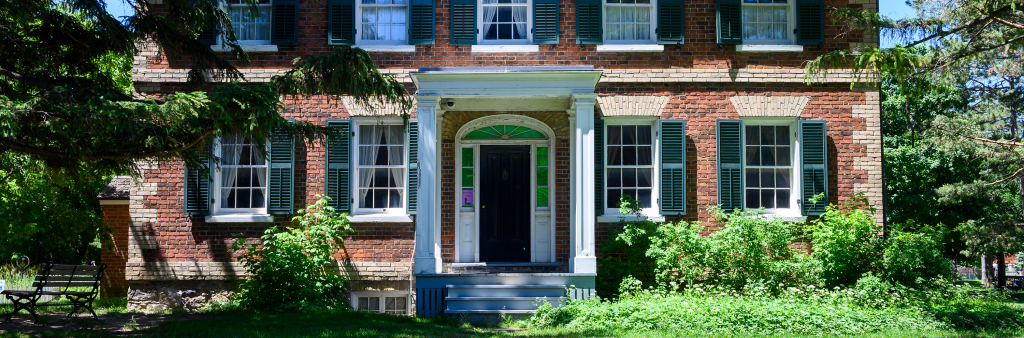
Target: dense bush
{"x":292,"y":268}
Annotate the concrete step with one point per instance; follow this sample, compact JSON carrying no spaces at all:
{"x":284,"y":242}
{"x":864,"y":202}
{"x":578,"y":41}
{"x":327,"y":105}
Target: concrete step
{"x":501,"y":290}
{"x":500,"y":303}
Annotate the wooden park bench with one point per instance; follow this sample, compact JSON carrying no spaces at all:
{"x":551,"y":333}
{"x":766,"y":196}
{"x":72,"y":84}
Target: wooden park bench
{"x":77,"y":283}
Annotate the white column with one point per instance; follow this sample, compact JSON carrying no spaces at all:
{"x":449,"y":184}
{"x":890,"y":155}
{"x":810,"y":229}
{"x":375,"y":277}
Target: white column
{"x":572,"y":189}
{"x":584,"y":260}
{"x":428,"y":244}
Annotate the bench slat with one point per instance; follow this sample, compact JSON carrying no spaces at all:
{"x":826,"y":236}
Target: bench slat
{"x":63,"y":284}
{"x":76,"y":273}
{"x":75,"y":268}
{"x":66,"y":278}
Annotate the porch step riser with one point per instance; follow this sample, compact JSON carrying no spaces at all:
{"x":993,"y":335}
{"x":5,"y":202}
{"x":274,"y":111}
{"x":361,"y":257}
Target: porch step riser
{"x":553,"y":293}
{"x":457,"y":304}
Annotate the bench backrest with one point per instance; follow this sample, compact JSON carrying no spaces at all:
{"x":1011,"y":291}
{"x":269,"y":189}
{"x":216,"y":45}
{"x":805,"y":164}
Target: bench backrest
{"x":69,"y":276}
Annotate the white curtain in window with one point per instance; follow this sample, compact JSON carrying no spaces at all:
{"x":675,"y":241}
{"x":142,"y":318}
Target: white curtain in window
{"x":367,"y":156}
{"x":490,"y":17}
{"x":230,"y":156}
{"x":519,"y":16}
{"x":396,"y":157}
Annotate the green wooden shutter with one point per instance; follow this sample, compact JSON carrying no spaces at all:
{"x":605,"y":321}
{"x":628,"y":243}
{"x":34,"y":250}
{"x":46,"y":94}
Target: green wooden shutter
{"x":341,"y":19}
{"x":545,"y":22}
{"x":197,"y":186}
{"x":672,"y":137}
{"x":338,"y":165}
{"x":599,"y":166}
{"x":208,"y":36}
{"x":729,"y":22}
{"x":284,"y":23}
{"x":413,"y":175}
{"x":463,"y":22}
{"x":810,"y":22}
{"x":421,"y":22}
{"x":588,"y":22}
{"x":730,"y":165}
{"x":814,"y":165}
{"x":281,"y":185}
{"x":670,"y":21}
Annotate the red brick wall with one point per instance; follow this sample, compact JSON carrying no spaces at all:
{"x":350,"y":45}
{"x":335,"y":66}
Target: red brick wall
{"x":115,"y":251}
{"x":700,"y":49}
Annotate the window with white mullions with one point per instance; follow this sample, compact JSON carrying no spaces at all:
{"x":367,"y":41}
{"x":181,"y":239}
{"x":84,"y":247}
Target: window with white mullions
{"x":766,"y":21}
{"x":768,"y":169}
{"x":250,"y":23}
{"x":629,"y":165}
{"x":505,"y":21}
{"x":383,"y":21}
{"x":380,"y":170}
{"x":628,"y":21}
{"x":381,"y":303}
{"x":242,"y":176}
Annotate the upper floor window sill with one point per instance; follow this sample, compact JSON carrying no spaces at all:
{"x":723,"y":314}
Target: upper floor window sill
{"x":240,"y":218}
{"x":506,"y":48}
{"x":388,"y":48}
{"x":380,"y":218}
{"x":247,"y":48}
{"x":631,"y":48}
{"x":769,"y":48}
{"x":627,"y":218}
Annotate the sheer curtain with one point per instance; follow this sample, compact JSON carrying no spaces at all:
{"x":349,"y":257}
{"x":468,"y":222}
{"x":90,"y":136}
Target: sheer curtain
{"x":367,"y":154}
{"x":519,"y":16}
{"x":490,"y":17}
{"x":396,"y":157}
{"x":230,"y":152}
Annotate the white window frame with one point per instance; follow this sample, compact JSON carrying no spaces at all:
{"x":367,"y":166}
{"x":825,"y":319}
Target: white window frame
{"x":217,"y":187}
{"x":795,"y":161}
{"x":381,"y":297}
{"x":356,"y":210}
{"x":654,"y":24}
{"x":226,"y":7}
{"x":790,"y":24}
{"x":480,"y":40}
{"x":653,"y":211}
{"x":359,"y":25}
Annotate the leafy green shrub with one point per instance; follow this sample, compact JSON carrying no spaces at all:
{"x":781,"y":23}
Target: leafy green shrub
{"x":292,"y":267}
{"x":910,"y":257}
{"x":847,"y":242}
{"x":625,"y":255}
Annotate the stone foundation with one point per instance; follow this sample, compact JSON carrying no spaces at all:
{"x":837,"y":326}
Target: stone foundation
{"x":178,"y":295}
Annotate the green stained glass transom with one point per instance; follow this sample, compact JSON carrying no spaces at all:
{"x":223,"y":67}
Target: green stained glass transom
{"x":542,"y":177}
{"x":504,"y":132}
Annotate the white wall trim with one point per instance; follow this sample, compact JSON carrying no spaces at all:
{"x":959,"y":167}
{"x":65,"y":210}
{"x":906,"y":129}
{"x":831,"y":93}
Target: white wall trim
{"x":506,"y":48}
{"x":627,"y":218}
{"x":769,"y":48}
{"x":247,"y":48}
{"x":380,"y":218}
{"x":240,"y":218}
{"x":115,"y":202}
{"x":630,"y":48}
{"x":388,"y":48}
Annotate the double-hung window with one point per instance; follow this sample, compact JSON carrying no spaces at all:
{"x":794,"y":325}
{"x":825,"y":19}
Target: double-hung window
{"x":380,"y":169}
{"x":768,"y":170}
{"x":241,"y":177}
{"x":251,"y":25}
{"x":382,"y":22}
{"x":629,"y":166}
{"x":767,"y":22}
{"x":504,"y":22}
{"x":261,"y":26}
{"x":629,"y":21}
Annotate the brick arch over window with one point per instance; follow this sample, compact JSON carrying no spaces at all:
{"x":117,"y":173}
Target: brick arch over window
{"x":452,"y":121}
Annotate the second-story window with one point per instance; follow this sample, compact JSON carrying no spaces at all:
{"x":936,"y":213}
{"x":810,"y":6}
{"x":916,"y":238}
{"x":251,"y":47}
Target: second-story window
{"x":766,"y":21}
{"x":505,"y":21}
{"x":628,"y":21}
{"x":252,"y":27}
{"x":382,"y":21}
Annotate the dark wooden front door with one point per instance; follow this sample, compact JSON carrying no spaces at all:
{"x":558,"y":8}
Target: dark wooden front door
{"x":505,"y":203}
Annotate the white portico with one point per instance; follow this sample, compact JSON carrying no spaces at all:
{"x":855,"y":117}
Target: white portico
{"x":504,"y":162}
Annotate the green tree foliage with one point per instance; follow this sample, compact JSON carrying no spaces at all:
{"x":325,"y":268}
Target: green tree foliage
{"x":48,"y":217}
{"x":292,"y":267}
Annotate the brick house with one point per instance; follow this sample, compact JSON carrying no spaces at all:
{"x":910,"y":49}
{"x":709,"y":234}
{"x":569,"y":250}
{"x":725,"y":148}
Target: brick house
{"x":532,"y":118}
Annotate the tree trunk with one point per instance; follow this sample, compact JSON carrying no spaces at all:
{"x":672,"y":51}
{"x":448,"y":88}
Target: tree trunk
{"x":1001,"y":271}
{"x":986,"y":271}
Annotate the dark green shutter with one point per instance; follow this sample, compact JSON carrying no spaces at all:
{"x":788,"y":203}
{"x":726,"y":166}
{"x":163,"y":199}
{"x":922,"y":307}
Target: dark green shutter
{"x":588,"y":22}
{"x":197,"y":186}
{"x":413,"y":176}
{"x":672,"y":136}
{"x":463,"y":22}
{"x":814,"y":166}
{"x":810,"y":22}
{"x":281,"y":187}
{"x":341,"y":19}
{"x":670,"y":21}
{"x":284,"y":23}
{"x":208,"y":36}
{"x":421,"y":22}
{"x":599,"y":166}
{"x":730,"y":165}
{"x":730,"y":22}
{"x":338,"y":165}
{"x":545,"y":22}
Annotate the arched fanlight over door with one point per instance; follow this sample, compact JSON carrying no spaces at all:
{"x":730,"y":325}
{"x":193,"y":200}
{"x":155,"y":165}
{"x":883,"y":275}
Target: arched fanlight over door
{"x":504,"y":132}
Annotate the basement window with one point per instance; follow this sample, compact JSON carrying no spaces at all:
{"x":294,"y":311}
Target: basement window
{"x":395,"y":303}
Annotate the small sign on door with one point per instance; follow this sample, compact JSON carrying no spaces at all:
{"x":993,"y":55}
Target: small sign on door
{"x":467,"y":197}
